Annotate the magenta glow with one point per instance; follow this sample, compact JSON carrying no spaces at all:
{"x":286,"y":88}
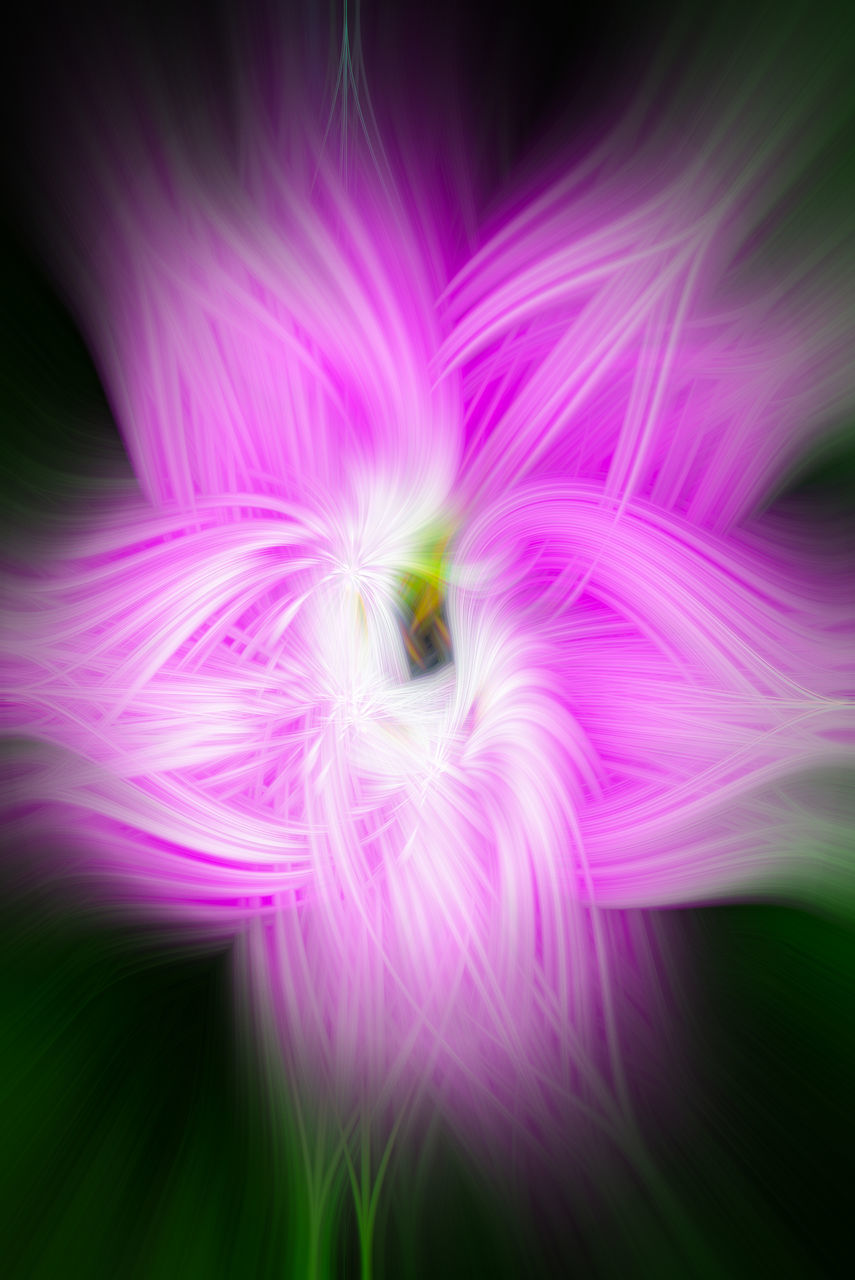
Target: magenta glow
{"x":565,"y":426}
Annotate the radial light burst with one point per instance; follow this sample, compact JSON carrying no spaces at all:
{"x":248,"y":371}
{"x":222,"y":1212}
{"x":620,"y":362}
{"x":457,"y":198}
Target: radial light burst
{"x":445,"y":626}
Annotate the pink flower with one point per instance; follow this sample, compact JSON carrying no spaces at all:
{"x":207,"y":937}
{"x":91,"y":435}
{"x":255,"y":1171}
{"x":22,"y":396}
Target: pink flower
{"x":445,"y":626}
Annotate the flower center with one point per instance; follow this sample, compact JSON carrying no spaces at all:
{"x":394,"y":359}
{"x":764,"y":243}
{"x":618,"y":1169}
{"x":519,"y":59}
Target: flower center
{"x":423,"y":624}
